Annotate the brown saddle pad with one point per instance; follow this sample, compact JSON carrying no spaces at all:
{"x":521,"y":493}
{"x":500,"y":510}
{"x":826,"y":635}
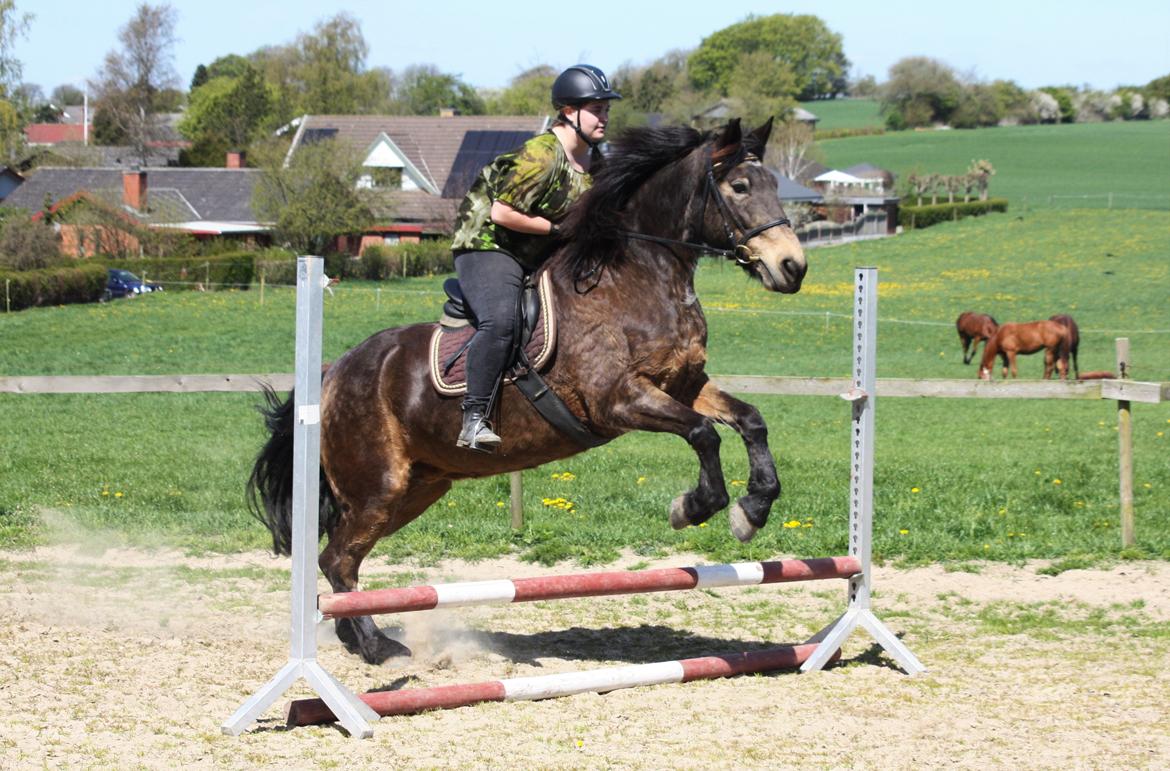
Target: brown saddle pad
{"x":446,"y":341}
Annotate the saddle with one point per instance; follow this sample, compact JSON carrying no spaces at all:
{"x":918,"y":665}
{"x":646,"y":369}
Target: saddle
{"x":538,"y":337}
{"x":452,"y":335}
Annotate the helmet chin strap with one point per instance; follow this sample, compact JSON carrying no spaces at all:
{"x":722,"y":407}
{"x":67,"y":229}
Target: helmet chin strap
{"x":577,"y":127}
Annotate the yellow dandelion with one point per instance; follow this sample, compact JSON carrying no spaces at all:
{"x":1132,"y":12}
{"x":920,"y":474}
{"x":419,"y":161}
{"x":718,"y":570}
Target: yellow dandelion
{"x":792,"y":523}
{"x":737,"y":483}
{"x":1147,"y":485}
{"x":105,"y":493}
{"x":499,"y":504}
{"x":118,"y":494}
{"x":702,"y":524}
{"x":641,"y":480}
{"x":904,"y":531}
{"x":915,"y":490}
{"x":1055,"y":481}
{"x":986,"y":546}
{"x":1036,"y":472}
{"x":1160,"y":433}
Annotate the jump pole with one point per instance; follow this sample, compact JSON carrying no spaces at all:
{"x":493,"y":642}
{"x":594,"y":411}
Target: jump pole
{"x":861,"y":395}
{"x":350,"y":711}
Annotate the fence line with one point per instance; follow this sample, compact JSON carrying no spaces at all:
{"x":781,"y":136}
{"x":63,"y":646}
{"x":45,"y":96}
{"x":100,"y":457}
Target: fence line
{"x":751,"y":384}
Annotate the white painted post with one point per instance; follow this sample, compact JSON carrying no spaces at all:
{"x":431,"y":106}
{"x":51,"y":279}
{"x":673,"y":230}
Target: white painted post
{"x":1125,"y":448}
{"x":861,"y":395}
{"x":351,"y":711}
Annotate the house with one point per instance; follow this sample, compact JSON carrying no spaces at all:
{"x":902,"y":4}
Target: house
{"x":793,"y":192}
{"x":417,"y":168}
{"x":867,"y":171}
{"x":202,"y":202}
{"x":10,"y":180}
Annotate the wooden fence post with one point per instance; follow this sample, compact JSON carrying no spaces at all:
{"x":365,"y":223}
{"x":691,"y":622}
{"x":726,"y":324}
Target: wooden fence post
{"x":261,"y":286}
{"x":1125,"y":448}
{"x":517,"y":501}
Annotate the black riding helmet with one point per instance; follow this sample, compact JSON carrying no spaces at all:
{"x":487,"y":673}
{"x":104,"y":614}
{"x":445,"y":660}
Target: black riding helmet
{"x":578,"y":85}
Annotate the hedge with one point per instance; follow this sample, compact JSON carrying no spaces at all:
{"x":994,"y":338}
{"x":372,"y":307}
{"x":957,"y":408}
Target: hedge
{"x":377,"y":263}
{"x":232,"y":270}
{"x":918,"y":217}
{"x":83,"y":283}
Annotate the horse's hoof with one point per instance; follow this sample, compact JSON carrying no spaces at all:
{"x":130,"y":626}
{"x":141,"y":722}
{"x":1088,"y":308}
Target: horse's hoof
{"x":383,"y":649}
{"x":741,"y":528}
{"x":678,"y":513}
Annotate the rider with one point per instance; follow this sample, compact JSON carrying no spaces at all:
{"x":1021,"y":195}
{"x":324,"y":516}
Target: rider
{"x":507,"y":224}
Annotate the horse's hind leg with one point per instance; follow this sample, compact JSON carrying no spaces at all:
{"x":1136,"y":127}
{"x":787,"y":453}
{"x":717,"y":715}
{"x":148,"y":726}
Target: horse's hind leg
{"x":750,"y":512}
{"x":357,"y":530}
{"x":967,"y":342}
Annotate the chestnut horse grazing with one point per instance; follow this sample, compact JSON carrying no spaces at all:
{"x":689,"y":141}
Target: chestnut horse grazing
{"x":631,"y":355}
{"x":1074,"y":339}
{"x":974,"y":328}
{"x":1013,"y":339}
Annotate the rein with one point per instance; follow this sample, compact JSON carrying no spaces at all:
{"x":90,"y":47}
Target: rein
{"x":739,"y":250}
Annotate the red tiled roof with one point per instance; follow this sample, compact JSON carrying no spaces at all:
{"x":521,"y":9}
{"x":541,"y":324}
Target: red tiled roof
{"x":54,"y":133}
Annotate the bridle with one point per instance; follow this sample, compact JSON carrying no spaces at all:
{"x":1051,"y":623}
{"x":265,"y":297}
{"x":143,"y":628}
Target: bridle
{"x":728,"y":218}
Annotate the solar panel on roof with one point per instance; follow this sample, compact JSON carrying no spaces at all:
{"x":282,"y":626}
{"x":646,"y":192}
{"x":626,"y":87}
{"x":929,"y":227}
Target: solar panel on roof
{"x":478,"y":149}
{"x":314,"y":135}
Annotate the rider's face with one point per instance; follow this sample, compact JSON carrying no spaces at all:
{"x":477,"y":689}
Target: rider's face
{"x":594,"y":117}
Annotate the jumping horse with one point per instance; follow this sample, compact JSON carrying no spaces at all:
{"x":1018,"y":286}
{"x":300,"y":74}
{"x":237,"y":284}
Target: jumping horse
{"x":1052,"y":337}
{"x":631,"y":355}
{"x":973,"y":329}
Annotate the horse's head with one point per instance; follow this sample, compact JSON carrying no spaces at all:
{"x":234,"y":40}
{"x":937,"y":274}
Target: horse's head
{"x":743,"y":210}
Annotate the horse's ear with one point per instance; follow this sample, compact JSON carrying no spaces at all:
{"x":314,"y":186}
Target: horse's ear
{"x":763,"y":132}
{"x":732,"y":134}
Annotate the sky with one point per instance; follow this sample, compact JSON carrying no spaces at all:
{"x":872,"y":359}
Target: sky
{"x":1078,"y":42}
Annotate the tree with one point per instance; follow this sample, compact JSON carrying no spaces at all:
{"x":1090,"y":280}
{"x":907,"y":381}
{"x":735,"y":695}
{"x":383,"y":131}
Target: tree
{"x":13,"y":26}
{"x":314,"y":199}
{"x":529,"y":93}
{"x":331,"y":69}
{"x":134,"y":80}
{"x":223,"y":114}
{"x":920,"y":91}
{"x":424,"y":90}
{"x":812,"y":52}
{"x":66,"y":94}
{"x":764,"y":85}
{"x":790,"y":149}
{"x":981,"y":172}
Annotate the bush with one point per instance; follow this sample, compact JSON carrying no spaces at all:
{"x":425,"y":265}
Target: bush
{"x":379,"y":262}
{"x":27,"y":245}
{"x":918,"y":217}
{"x":234,"y":270}
{"x":80,"y":283}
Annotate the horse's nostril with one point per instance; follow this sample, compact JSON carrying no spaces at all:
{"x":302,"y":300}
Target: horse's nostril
{"x":793,"y":269}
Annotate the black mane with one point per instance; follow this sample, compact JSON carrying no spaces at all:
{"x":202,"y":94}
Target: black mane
{"x":593,"y":226}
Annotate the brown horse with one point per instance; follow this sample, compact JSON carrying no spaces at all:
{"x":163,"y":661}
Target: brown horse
{"x":631,"y":355}
{"x":1013,"y":339}
{"x":974,"y":328}
{"x":1074,"y":339}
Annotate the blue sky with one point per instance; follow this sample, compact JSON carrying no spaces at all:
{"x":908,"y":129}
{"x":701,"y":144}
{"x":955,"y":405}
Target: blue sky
{"x":486,"y":43}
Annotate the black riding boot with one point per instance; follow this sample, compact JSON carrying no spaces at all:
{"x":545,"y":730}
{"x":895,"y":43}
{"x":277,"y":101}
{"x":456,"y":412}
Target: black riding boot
{"x":477,"y":433}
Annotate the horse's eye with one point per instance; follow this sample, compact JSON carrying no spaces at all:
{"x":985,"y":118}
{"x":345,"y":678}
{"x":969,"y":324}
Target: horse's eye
{"x":740,"y":186}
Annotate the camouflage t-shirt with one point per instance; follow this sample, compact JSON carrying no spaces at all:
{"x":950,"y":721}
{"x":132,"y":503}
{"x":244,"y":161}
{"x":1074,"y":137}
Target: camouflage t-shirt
{"x":538,"y":180}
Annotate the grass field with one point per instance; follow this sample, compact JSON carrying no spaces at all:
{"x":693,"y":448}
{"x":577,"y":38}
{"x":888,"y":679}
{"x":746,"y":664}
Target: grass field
{"x":845,"y":113}
{"x":955,"y":479}
{"x":1035,"y":165}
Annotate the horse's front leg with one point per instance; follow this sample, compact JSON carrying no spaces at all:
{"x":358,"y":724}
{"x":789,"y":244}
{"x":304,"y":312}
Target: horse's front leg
{"x":647,"y":408}
{"x":750,"y":512}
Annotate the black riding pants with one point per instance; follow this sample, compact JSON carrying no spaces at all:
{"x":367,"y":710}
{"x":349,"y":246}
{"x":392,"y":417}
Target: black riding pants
{"x":491,"y":283}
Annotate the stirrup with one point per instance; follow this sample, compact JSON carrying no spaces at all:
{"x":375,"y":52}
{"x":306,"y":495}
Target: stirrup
{"x":477,"y":433}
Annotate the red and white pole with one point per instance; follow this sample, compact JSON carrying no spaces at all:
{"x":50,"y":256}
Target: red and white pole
{"x":506,"y":591}
{"x":409,"y":701}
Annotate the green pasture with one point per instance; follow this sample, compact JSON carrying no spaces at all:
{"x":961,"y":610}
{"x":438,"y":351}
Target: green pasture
{"x":956,"y":480}
{"x":1061,"y":166}
{"x":845,"y":113}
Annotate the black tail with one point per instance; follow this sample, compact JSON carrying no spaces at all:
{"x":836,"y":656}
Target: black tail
{"x":270,"y":487}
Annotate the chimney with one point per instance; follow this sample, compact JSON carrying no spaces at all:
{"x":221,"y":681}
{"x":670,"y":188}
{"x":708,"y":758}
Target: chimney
{"x":134,"y":188}
{"x":235,"y":159}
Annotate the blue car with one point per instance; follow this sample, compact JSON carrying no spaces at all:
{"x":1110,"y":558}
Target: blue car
{"x":123,"y":283}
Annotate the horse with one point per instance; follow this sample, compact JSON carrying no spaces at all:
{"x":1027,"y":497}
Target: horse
{"x":1074,"y":339}
{"x":1012,"y":339}
{"x":974,"y":328}
{"x":631,"y":355}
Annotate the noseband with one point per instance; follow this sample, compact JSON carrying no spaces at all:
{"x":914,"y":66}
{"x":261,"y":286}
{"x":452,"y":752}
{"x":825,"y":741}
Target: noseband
{"x":728,"y":218}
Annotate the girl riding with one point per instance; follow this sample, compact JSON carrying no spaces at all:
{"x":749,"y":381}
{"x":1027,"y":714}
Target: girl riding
{"x":507,"y":225}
